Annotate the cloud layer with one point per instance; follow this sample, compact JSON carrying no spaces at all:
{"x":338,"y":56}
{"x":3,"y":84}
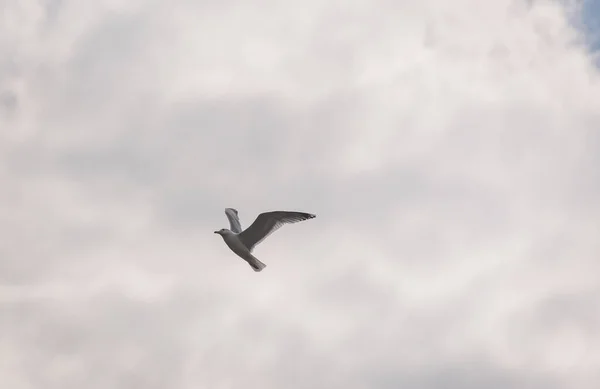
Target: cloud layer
{"x":450,"y":152}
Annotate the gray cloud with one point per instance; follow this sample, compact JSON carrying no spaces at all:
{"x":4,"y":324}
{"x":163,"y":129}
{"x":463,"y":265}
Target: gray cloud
{"x":450,"y":154}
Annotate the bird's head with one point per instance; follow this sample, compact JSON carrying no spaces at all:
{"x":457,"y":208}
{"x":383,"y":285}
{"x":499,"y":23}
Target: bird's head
{"x":221,"y":231}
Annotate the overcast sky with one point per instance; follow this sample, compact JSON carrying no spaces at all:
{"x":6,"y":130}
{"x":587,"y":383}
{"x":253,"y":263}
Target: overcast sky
{"x":450,"y":150}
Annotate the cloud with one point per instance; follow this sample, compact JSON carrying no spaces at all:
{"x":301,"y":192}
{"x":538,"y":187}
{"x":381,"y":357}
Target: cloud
{"x":450,"y":153}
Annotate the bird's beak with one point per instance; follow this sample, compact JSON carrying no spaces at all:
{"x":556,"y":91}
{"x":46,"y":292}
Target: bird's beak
{"x":216,"y":232}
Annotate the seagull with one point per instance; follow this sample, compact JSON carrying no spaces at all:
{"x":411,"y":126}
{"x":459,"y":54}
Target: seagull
{"x":243,"y":242}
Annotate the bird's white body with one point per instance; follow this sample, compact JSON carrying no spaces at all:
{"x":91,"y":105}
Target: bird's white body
{"x":242,"y":242}
{"x":235,"y":244}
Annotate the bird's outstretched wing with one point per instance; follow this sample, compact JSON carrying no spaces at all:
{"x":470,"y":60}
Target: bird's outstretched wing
{"x":267,"y":223}
{"x":234,"y":220}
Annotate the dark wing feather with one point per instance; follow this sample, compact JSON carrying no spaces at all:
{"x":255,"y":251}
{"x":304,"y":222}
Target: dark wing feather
{"x":269,"y":222}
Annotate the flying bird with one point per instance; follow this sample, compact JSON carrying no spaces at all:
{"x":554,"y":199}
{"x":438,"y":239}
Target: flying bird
{"x":243,"y":242}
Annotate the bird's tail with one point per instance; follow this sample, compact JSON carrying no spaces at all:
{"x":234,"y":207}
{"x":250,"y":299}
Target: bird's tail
{"x":256,"y":264}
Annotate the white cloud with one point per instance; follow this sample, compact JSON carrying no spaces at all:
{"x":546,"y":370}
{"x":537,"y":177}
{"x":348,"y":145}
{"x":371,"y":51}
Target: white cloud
{"x":450,"y":152}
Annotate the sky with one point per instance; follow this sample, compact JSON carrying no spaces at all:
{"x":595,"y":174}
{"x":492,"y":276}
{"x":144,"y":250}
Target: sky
{"x":450,"y":151}
{"x":589,"y":19}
